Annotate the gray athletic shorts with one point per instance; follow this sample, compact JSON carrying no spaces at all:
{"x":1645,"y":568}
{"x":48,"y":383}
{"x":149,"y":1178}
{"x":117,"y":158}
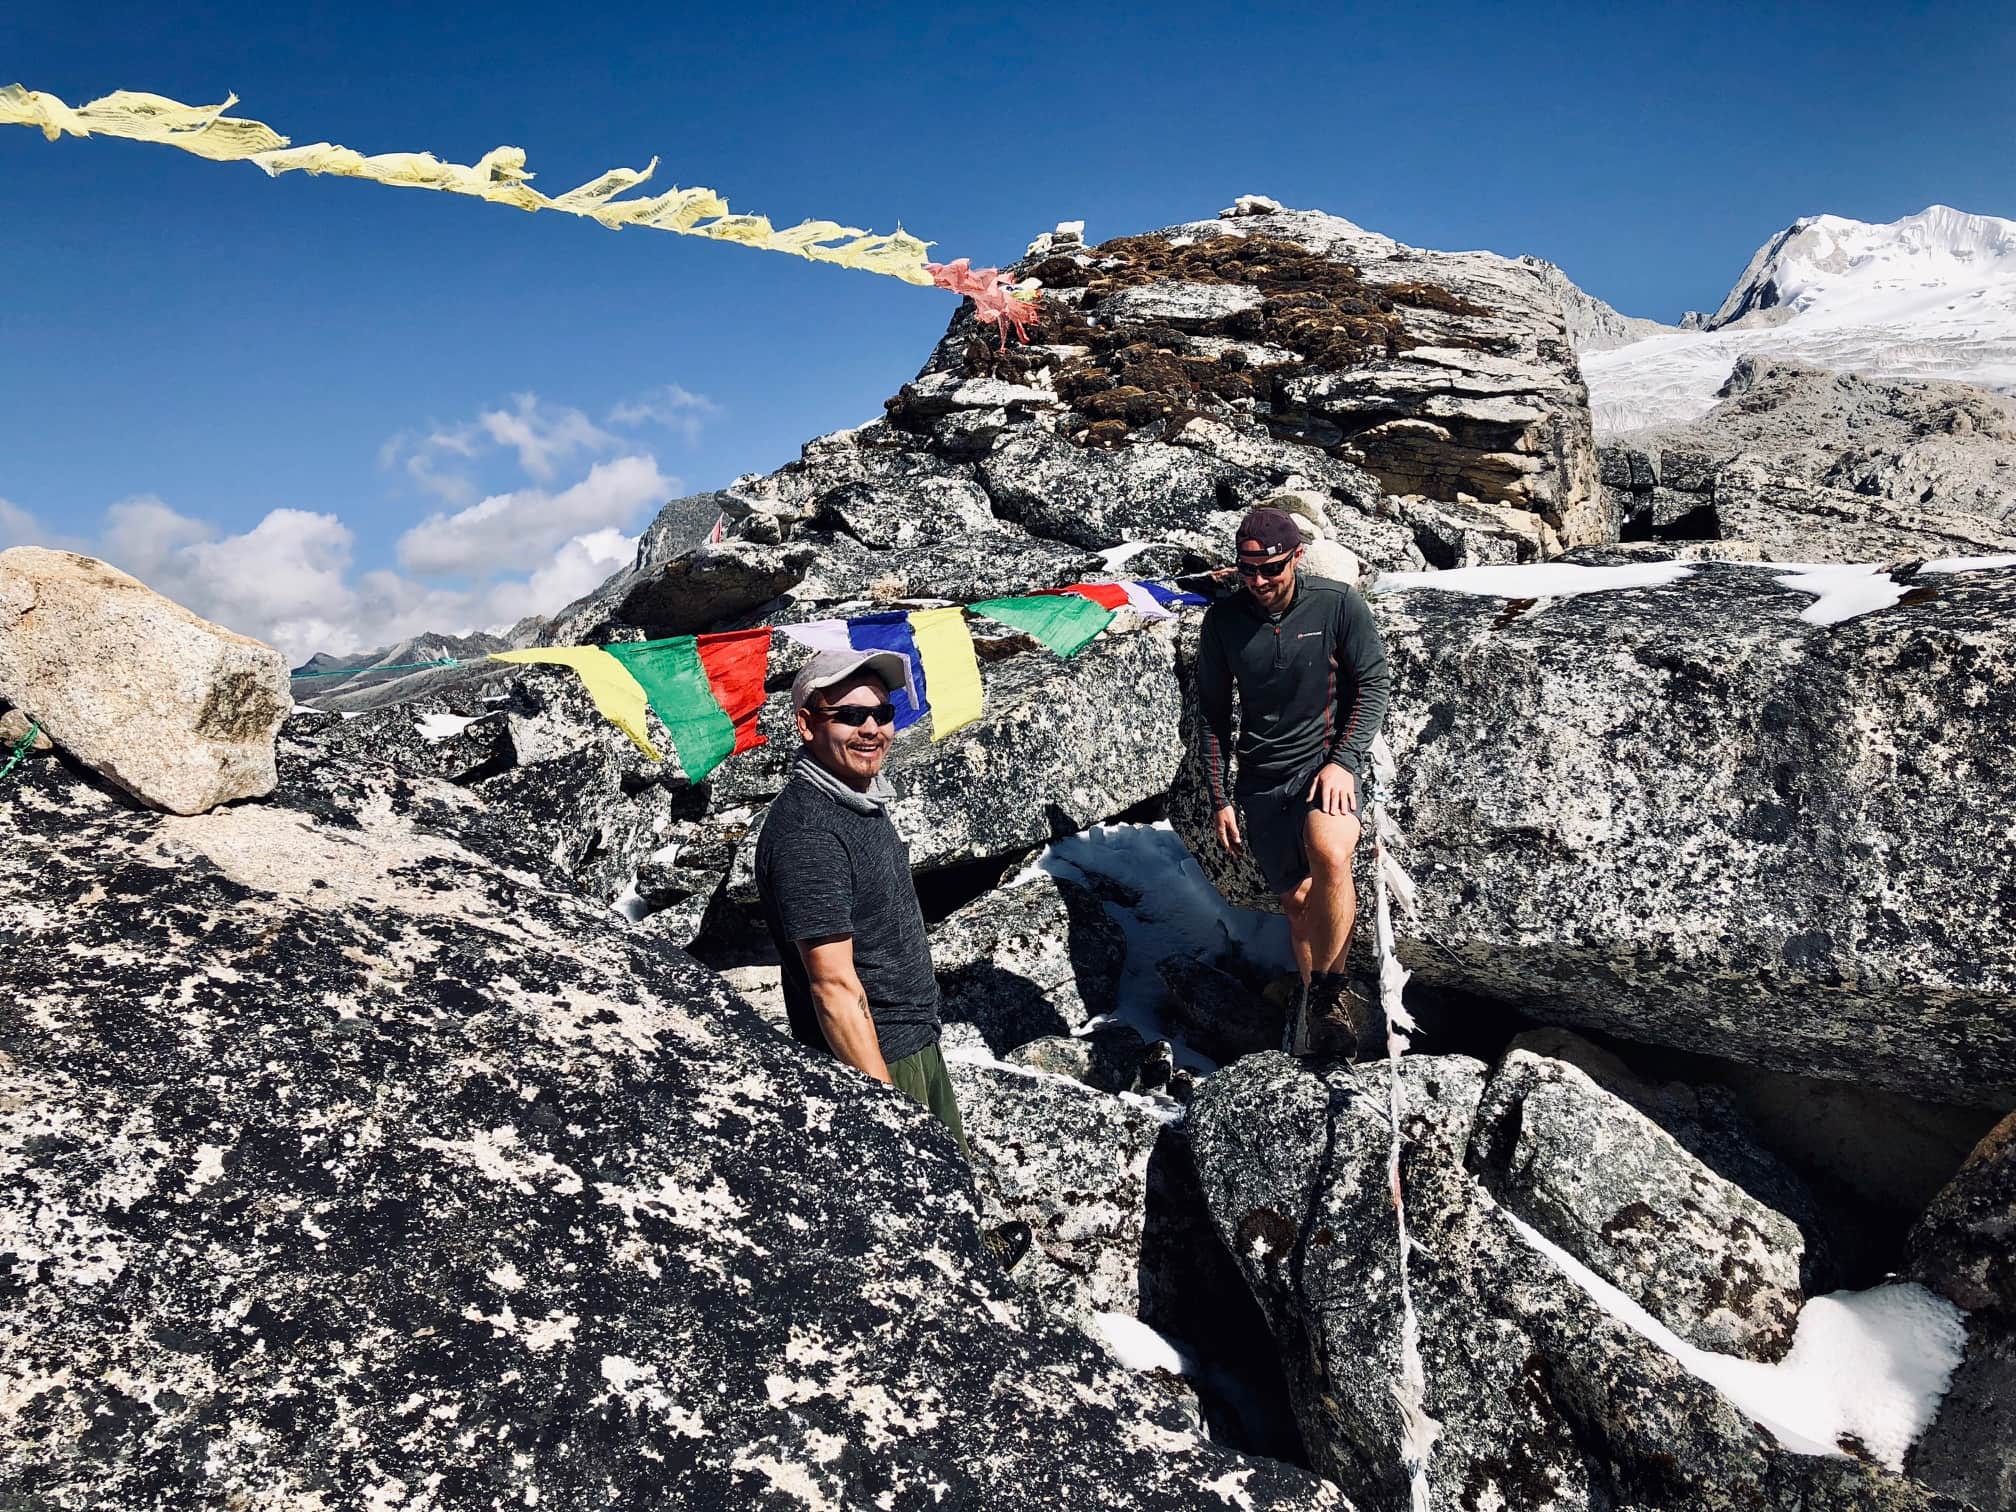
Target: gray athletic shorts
{"x":1271,"y":821}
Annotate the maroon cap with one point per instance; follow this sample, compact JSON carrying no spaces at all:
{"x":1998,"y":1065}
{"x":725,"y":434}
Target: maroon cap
{"x":1272,"y":528}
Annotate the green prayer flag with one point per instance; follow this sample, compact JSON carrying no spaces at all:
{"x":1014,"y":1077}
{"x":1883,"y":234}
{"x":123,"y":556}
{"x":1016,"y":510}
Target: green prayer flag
{"x":1065,"y":622}
{"x":676,"y":682}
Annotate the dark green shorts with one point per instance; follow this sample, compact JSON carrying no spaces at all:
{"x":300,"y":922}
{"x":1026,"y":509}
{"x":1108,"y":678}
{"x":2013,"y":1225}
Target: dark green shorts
{"x":924,"y":1077}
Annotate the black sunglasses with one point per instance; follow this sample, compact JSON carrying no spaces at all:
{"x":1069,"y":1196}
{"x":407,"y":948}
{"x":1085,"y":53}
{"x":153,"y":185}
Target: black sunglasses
{"x":1271,"y":569}
{"x":856,"y":715}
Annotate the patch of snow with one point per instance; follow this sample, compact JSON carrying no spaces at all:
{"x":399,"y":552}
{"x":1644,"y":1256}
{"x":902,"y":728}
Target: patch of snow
{"x":433,"y":727}
{"x":301,"y":708}
{"x":1968,"y":564}
{"x":630,"y":903}
{"x":1180,"y":915}
{"x":1842,"y":591}
{"x":1137,"y":1346}
{"x":1537,"y":580}
{"x":1870,"y":1366}
{"x":1931,"y":296}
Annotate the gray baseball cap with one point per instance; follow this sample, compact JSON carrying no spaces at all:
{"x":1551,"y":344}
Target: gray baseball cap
{"x":830,"y":667}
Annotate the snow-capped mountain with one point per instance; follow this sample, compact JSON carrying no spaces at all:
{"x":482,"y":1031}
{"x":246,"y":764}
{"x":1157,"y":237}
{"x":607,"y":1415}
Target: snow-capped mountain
{"x":1930,"y":296}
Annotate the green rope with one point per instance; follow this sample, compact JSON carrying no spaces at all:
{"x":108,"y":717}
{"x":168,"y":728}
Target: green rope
{"x":446,"y":661}
{"x":20,"y":749}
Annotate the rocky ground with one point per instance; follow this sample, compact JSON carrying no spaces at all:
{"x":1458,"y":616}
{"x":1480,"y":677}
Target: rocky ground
{"x":413,"y":1132}
{"x":1813,"y":466}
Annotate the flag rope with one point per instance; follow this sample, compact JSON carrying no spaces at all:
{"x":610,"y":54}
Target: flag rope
{"x":707,"y":696}
{"x":20,"y":750}
{"x":1418,"y":1431}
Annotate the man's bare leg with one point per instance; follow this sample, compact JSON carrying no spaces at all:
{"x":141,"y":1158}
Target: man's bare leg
{"x":1331,"y":909}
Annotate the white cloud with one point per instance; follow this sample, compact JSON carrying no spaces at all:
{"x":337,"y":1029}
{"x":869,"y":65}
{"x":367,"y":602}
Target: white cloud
{"x":443,"y":460}
{"x":506,"y":531}
{"x":291,"y":579}
{"x":288,"y":580}
{"x":674,"y":408}
{"x":543,"y":435}
{"x":17,"y":526}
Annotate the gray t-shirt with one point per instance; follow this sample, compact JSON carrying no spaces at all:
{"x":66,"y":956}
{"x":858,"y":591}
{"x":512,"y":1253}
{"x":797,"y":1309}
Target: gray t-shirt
{"x":823,"y":868}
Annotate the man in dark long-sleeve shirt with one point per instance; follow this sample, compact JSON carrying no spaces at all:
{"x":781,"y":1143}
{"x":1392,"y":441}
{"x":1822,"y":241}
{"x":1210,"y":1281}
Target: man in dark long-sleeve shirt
{"x":1312,"y":682}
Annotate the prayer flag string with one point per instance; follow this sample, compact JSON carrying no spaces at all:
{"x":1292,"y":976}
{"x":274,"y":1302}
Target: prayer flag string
{"x":499,"y":176}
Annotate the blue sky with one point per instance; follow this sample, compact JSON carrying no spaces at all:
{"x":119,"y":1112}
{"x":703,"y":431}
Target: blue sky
{"x":275,"y":397}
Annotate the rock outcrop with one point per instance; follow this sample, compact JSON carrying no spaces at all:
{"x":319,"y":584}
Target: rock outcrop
{"x":179,"y":712}
{"x":341,"y":1165}
{"x":1813,"y":466}
{"x":1964,"y":1247}
{"x":1969,"y":1451}
{"x":1684,"y":814}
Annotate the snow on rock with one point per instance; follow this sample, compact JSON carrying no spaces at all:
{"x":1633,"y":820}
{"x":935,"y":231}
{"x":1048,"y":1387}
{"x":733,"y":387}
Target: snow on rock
{"x":1864,"y":1375}
{"x":1930,"y":296}
{"x":1139,"y":1347}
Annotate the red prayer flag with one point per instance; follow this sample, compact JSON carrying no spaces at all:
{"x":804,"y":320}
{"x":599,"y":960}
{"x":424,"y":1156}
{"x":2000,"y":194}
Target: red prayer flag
{"x":735,"y":662}
{"x":1105,"y":595}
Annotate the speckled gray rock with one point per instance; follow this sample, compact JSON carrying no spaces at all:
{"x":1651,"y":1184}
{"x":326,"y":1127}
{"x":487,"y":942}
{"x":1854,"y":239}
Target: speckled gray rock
{"x":1964,"y":1246}
{"x":1708,"y":1121}
{"x":179,"y":712}
{"x":1687,"y":816}
{"x":1021,"y":962}
{"x":332,"y":1150}
{"x":1592,"y":1173}
{"x":1969,"y":1451}
{"x":1216,"y":1013}
{"x":1546,"y":1403}
{"x":1072,"y":1163}
{"x":1107,"y":1057}
{"x":563,"y":794}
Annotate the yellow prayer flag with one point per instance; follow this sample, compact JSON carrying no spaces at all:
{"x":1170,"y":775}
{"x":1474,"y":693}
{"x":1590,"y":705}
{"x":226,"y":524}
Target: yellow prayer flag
{"x":499,"y":176}
{"x":951,"y":670}
{"x":619,"y":697}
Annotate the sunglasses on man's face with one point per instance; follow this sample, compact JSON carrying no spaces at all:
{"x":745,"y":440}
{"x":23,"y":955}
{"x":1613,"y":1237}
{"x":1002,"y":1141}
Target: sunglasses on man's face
{"x":856,"y":715}
{"x":1271,"y":569}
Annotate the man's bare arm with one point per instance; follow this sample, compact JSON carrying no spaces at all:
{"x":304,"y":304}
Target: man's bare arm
{"x":842,"y":1004}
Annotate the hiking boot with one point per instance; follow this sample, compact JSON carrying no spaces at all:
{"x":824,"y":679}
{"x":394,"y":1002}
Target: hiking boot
{"x":1010,"y":1242}
{"x":1335,"y":1017}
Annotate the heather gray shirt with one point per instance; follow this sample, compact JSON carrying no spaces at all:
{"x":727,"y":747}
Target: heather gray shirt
{"x":825,"y":867}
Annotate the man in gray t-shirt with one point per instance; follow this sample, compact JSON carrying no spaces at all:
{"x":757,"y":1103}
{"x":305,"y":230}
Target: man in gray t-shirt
{"x":834,"y":878}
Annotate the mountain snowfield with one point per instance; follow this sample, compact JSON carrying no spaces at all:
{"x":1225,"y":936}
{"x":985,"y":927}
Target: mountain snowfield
{"x":1931,"y":296}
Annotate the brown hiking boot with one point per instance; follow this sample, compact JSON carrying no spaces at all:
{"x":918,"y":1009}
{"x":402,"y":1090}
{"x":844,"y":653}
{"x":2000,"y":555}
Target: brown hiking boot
{"x":1334,"y":1017}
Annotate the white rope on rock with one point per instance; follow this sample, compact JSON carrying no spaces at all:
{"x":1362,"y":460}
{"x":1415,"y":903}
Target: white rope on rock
{"x":1410,"y":1392}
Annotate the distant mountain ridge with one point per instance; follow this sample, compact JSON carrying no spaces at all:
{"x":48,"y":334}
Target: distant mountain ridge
{"x":323,"y":674}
